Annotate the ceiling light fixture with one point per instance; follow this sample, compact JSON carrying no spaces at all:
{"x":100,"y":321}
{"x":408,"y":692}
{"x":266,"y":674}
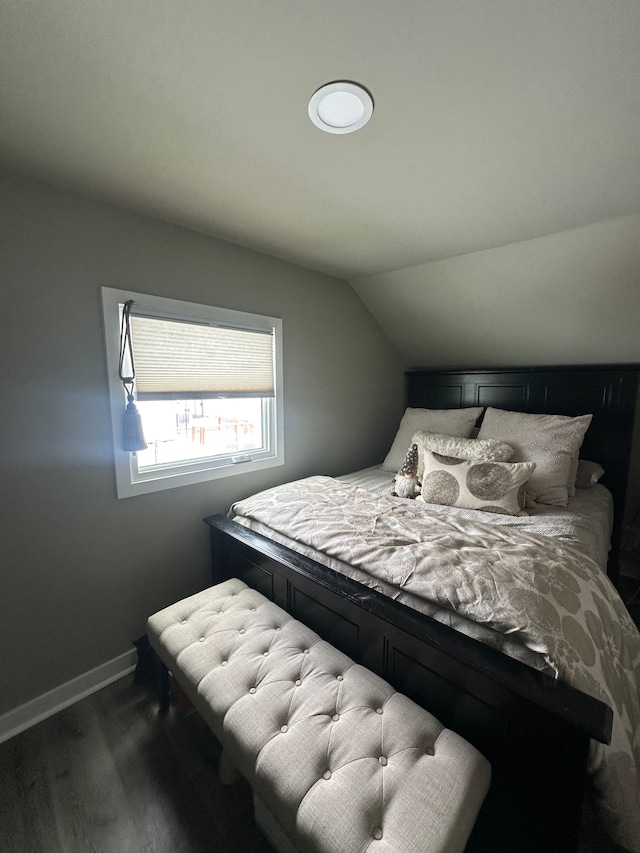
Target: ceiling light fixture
{"x":341,"y":107}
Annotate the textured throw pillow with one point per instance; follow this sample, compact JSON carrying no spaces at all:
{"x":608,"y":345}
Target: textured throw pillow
{"x":486,"y":486}
{"x":588,"y":474}
{"x":458,"y":422}
{"x":475,"y":449}
{"x":551,"y":441}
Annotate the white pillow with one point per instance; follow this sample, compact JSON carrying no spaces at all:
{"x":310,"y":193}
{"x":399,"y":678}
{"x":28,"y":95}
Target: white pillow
{"x":475,"y":449}
{"x":486,"y":486}
{"x":458,"y":422}
{"x":551,"y":441}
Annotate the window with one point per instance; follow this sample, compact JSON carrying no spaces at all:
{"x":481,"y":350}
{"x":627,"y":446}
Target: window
{"x":208,"y":388}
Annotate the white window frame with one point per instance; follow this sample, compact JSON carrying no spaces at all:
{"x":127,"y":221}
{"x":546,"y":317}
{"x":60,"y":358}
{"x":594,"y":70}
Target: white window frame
{"x":129,"y":480}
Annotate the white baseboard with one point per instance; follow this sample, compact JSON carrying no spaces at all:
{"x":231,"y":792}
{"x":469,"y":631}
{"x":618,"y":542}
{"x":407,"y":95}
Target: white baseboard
{"x":38,"y":709}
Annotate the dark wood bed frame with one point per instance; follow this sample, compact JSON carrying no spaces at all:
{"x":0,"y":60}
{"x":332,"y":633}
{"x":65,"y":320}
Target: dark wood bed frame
{"x":535,"y":730}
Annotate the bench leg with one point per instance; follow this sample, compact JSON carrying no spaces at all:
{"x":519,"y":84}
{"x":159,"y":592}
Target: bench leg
{"x":162,"y":685}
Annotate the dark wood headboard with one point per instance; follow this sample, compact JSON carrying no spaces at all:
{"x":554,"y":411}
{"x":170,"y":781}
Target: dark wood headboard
{"x":608,"y":392}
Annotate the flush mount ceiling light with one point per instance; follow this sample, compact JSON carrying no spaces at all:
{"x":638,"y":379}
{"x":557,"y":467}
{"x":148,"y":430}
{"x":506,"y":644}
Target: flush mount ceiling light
{"x":340,"y":107}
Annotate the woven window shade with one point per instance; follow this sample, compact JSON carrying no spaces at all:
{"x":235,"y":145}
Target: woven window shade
{"x":177,"y":359}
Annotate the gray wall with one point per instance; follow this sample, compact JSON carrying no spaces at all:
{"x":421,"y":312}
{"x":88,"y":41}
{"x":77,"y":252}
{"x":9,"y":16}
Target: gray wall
{"x":569,"y":298}
{"x":81,"y":570}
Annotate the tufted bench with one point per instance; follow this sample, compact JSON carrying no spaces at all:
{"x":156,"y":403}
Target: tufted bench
{"x":338,"y":760}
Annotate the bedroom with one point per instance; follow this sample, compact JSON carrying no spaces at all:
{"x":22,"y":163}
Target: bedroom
{"x":81,"y":570}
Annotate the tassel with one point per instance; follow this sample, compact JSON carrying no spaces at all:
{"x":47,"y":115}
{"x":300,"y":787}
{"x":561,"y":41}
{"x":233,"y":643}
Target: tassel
{"x":132,"y":435}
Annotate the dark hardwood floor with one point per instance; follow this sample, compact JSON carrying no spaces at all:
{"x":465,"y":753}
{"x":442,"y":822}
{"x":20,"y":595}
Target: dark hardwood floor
{"x":112,"y":775}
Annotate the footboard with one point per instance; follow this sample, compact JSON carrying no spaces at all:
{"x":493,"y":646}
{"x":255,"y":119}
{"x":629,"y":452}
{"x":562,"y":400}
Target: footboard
{"x":534,"y":730}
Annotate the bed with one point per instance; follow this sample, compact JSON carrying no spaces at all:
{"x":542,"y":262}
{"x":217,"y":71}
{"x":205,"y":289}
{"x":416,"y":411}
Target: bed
{"x":537,"y":730}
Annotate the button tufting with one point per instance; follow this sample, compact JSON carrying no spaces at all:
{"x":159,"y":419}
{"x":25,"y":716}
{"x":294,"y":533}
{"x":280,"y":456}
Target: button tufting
{"x":306,"y":704}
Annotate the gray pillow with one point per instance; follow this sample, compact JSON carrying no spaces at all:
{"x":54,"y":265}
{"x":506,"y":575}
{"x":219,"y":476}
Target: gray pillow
{"x":458,"y":422}
{"x":588,"y":474}
{"x":551,"y":441}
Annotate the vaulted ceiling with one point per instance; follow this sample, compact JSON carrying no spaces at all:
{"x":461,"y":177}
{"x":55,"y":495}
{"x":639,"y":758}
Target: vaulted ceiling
{"x":495,"y":121}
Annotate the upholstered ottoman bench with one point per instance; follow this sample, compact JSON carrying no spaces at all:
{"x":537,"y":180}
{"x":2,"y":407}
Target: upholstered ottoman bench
{"x":338,"y":760}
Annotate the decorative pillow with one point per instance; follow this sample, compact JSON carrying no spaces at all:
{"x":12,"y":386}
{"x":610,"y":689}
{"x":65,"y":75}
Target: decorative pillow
{"x":588,"y":474}
{"x":448,"y":421}
{"x":548,"y":440}
{"x":487,"y":486}
{"x":475,"y":449}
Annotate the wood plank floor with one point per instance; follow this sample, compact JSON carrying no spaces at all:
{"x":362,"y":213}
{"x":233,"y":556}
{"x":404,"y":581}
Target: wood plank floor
{"x":111,"y":775}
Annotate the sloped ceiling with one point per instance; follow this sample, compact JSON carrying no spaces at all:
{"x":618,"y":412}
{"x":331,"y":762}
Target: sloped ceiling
{"x":495,"y":121}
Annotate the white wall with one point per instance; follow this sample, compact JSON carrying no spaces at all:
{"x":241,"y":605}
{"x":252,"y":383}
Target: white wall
{"x":81,"y":570}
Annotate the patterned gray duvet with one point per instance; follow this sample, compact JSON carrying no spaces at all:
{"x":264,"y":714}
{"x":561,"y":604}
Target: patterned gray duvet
{"x":539,"y":596}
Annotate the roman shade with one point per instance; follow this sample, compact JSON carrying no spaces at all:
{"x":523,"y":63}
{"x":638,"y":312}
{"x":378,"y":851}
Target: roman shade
{"x":184,"y":359}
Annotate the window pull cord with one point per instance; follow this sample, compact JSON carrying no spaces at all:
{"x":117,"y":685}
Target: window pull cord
{"x":132,"y":434}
